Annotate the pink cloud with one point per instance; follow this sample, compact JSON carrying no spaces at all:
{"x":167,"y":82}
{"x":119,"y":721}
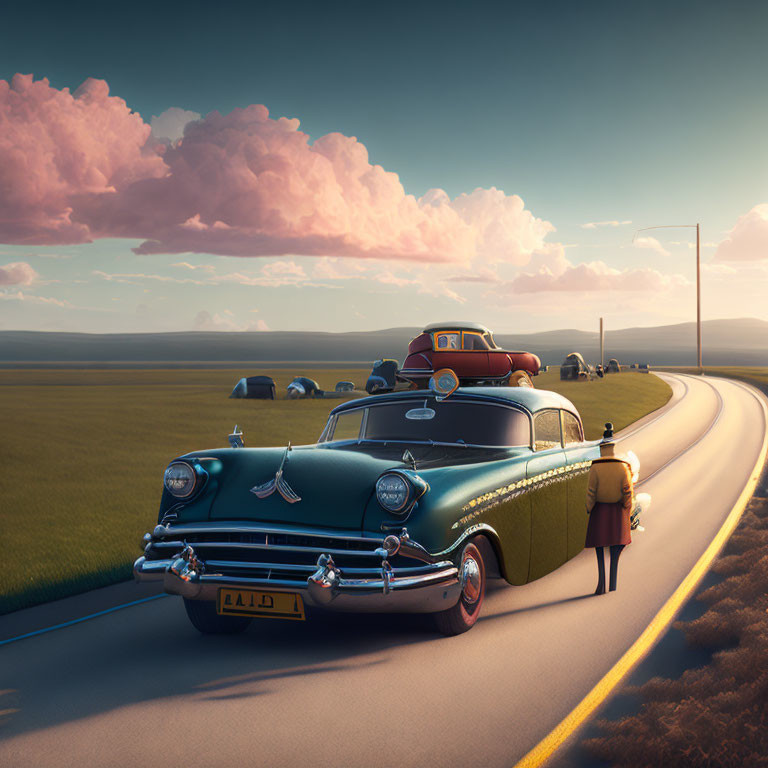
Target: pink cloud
{"x":57,"y":147}
{"x":81,"y":166}
{"x":748,"y":240}
{"x":595,"y":276}
{"x":17,"y":273}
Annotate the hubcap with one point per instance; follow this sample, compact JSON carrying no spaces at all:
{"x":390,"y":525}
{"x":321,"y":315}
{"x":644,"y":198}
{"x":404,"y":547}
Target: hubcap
{"x":470,"y":580}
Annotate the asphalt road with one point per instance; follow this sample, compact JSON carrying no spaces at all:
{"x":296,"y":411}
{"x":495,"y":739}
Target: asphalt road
{"x":141,"y":687}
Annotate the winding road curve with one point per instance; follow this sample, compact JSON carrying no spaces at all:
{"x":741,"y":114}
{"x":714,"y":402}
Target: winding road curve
{"x":139,"y":687}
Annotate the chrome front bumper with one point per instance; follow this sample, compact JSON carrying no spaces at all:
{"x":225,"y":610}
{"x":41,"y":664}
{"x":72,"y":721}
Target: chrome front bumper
{"x":431,"y":585}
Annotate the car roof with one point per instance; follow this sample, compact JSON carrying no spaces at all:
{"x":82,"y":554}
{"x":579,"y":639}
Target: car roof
{"x":464,"y":326}
{"x":526,"y":397}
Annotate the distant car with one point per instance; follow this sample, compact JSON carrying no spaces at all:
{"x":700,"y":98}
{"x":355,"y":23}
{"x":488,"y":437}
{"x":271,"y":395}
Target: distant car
{"x":613,"y":366}
{"x":409,"y":502}
{"x":344,"y":386}
{"x":574,"y":368}
{"x":383,"y":377}
{"x":469,"y":350}
{"x":260,"y":387}
{"x":302,"y":387}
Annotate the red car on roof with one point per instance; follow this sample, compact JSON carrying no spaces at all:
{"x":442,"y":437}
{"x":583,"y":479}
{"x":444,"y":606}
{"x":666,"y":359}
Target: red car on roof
{"x":466,"y":348}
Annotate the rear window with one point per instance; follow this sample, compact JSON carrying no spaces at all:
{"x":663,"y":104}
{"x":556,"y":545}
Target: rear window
{"x":468,"y":423}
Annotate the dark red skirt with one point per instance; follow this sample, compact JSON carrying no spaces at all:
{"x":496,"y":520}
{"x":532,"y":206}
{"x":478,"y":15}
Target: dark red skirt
{"x":608,"y":525}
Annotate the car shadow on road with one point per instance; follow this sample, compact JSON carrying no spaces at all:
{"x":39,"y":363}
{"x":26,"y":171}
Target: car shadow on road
{"x":535,"y":607}
{"x":152,"y":654}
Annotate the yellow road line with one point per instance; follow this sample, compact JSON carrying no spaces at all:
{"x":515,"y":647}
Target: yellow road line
{"x":547,"y":746}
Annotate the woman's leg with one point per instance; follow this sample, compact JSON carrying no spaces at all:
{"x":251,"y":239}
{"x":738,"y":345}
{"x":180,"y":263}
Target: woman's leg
{"x":600,"y":571}
{"x":615,"y":552}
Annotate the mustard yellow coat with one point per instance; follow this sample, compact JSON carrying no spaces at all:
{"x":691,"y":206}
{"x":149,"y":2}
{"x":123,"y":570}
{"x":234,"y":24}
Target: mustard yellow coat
{"x":610,"y":499}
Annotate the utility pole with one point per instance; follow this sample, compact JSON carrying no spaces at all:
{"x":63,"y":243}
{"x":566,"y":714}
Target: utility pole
{"x":602,"y":344}
{"x":698,"y":279}
{"x":698,"y":296}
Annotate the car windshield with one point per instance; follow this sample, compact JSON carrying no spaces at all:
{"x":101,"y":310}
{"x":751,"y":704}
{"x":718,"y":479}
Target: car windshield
{"x":428,"y":421}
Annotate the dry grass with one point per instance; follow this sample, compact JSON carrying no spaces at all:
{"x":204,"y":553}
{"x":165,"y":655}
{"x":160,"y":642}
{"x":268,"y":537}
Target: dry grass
{"x":716,"y":715}
{"x":83,"y":453}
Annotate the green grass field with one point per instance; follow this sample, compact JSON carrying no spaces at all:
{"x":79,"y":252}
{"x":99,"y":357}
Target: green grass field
{"x":83,"y":453}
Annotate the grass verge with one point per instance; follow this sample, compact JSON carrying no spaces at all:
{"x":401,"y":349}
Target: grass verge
{"x":83,"y":452}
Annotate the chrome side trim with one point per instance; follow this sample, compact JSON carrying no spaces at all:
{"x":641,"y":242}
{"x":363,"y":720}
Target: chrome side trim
{"x":471,"y":531}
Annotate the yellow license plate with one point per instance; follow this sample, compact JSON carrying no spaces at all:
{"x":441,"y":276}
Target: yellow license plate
{"x":254,"y":602}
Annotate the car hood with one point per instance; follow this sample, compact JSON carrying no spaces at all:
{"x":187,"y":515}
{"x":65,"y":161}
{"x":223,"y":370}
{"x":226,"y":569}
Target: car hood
{"x":334,"y":487}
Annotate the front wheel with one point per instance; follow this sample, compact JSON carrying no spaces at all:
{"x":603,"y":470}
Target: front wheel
{"x":464,"y":614}
{"x":202,"y":614}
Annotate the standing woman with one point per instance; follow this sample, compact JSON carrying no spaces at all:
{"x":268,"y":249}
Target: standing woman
{"x":610,"y":498}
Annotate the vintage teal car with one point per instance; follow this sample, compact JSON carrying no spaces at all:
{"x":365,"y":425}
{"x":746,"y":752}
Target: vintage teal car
{"x":408,"y":502}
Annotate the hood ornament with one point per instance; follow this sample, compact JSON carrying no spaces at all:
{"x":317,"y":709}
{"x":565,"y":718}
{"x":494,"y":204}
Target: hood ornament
{"x":236,"y":439}
{"x":277,"y":484}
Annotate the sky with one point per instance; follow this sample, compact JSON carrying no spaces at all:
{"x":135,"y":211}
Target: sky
{"x":355,"y":166}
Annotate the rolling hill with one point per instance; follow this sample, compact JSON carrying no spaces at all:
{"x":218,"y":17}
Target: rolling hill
{"x":725,"y":342}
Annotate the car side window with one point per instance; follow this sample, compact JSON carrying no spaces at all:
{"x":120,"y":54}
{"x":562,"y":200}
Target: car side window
{"x":546,"y":430}
{"x":448,"y":341}
{"x":571,"y":429}
{"x":348,"y":425}
{"x":473,"y":341}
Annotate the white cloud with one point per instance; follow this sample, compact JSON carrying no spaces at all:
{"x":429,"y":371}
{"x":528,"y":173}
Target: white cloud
{"x":192,"y":267}
{"x":205,"y":321}
{"x":651,"y":243}
{"x":169,"y":125}
{"x":31,"y":299}
{"x":504,"y":231}
{"x":285,"y":269}
{"x":748,"y":240}
{"x":134,"y":278}
{"x":601,"y":224}
{"x":718,"y":269}
{"x":592,"y":277}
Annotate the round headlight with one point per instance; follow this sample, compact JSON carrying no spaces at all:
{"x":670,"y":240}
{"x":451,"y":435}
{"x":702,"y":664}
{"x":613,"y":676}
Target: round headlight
{"x":392,"y":491}
{"x":180,"y":479}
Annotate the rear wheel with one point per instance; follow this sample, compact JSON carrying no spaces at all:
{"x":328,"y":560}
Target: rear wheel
{"x":464,"y":614}
{"x":202,"y":614}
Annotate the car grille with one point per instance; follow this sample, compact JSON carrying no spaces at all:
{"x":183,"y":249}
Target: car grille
{"x":277,"y":555}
